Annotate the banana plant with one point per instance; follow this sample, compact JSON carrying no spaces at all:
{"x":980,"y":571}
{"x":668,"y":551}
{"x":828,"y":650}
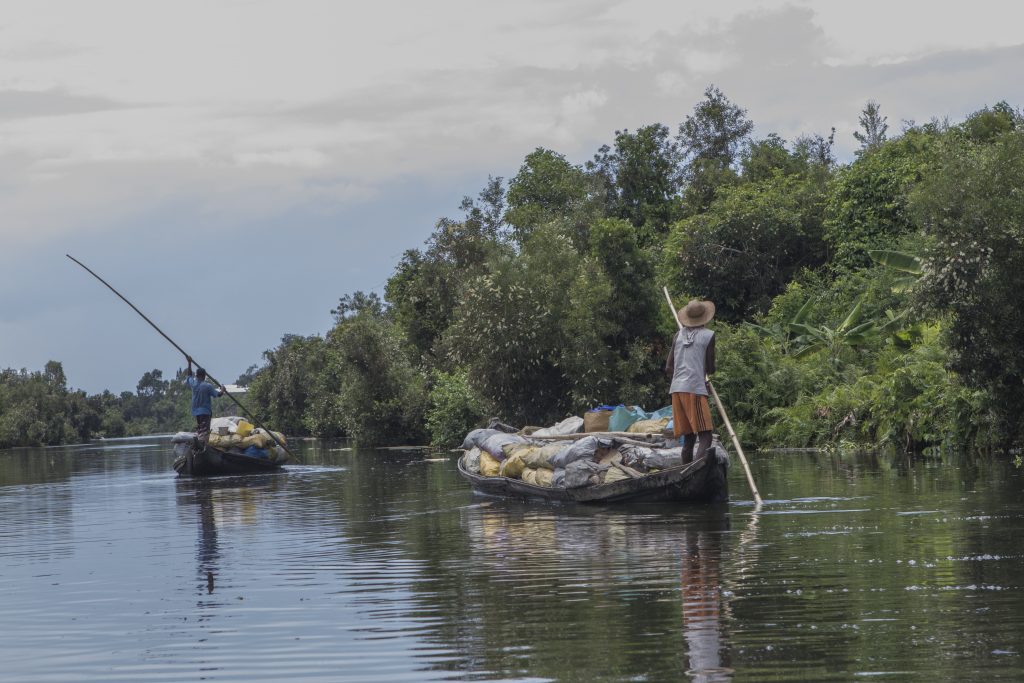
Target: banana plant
{"x":911,"y":265}
{"x":785,"y":334}
{"x":850,"y":333}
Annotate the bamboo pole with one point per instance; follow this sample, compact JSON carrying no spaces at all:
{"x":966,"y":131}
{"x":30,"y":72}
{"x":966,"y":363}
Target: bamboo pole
{"x":721,"y":411}
{"x":182,"y":352}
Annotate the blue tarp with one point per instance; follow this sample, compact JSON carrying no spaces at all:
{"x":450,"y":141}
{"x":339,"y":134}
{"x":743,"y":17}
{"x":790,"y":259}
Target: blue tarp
{"x":623,"y":416}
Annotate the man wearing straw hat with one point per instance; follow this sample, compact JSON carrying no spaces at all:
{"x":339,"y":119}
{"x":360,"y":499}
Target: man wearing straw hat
{"x":690,"y":360}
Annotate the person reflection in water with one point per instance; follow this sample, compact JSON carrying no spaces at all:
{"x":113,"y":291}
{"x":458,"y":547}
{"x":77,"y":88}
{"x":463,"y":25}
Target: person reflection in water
{"x":208,"y":552}
{"x":702,"y":608}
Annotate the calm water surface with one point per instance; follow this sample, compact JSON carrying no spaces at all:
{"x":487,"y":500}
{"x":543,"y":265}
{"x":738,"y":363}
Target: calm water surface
{"x":382,"y":566}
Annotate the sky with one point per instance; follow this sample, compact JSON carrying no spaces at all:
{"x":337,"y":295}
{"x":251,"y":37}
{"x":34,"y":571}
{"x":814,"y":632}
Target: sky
{"x":234,"y":167}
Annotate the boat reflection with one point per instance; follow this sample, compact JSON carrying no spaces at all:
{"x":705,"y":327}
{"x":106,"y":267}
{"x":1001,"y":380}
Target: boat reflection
{"x":581,"y":562}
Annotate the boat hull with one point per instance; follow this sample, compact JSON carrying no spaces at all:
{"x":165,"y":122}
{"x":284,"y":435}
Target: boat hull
{"x":213,"y":462}
{"x":703,"y":481}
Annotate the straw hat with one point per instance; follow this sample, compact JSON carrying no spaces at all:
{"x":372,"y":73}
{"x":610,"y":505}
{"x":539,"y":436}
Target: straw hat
{"x":696,"y":313}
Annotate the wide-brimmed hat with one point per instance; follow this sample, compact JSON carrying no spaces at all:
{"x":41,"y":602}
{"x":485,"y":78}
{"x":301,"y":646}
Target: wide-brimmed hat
{"x":696,"y":313}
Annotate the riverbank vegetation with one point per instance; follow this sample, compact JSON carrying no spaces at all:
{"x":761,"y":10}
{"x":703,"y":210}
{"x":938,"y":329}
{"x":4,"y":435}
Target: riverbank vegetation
{"x":871,"y":303}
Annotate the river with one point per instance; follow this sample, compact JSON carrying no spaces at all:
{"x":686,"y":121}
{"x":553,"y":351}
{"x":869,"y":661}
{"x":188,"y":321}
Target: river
{"x":380,"y":565}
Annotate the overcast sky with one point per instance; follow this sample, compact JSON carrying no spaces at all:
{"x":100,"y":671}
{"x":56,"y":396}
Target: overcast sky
{"x":235,"y":166}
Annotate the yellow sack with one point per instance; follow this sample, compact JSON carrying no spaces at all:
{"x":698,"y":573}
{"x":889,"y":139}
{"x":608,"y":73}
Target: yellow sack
{"x":530,"y":476}
{"x":243,"y":428}
{"x":614,"y":474}
{"x":520,"y":449}
{"x":513,"y":467}
{"x":489,"y":467}
{"x":544,"y":477}
{"x":648,"y":426}
{"x":549,"y":451}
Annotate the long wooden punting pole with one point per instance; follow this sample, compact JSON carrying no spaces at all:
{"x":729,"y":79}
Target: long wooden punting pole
{"x":182,"y":351}
{"x":721,"y":411}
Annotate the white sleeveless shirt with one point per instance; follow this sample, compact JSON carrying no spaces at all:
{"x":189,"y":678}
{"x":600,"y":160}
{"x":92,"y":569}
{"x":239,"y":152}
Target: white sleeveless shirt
{"x":690,"y":349}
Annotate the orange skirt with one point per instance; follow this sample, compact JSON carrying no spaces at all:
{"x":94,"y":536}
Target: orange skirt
{"x":690,"y":413}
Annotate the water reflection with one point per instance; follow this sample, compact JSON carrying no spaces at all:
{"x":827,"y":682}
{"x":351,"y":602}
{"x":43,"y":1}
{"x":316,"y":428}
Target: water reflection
{"x":708,"y":657}
{"x":564,"y":570}
{"x":375,"y":565}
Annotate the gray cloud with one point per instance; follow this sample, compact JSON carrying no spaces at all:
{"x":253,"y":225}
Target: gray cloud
{"x":24,"y":104}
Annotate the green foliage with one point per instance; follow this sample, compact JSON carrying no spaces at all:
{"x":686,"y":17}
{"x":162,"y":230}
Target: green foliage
{"x":374,"y":393}
{"x":281,"y":392}
{"x":453,"y":409}
{"x":37,"y":408}
{"x":907,"y":401}
{"x":973,"y":209}
{"x":763,"y":159}
{"x":752,"y":241}
{"x":989,"y":123}
{"x":507,"y":332}
{"x":641,"y":177}
{"x":867,"y":201}
{"x":873,"y":125}
{"x":710,"y":139}
{"x":547,"y":187}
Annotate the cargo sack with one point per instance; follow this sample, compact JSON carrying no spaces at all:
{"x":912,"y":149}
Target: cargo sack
{"x":570,"y":425}
{"x":614,"y":474}
{"x":662,"y":458}
{"x":495,"y":443}
{"x":649,"y":426}
{"x":544,"y":456}
{"x":489,"y":467}
{"x":579,"y":450}
{"x":257,"y":452}
{"x":520,"y":449}
{"x":512,"y":467}
{"x":558,"y":478}
{"x":544,"y":477}
{"x":596,"y":420}
{"x":471,"y":461}
{"x":537,"y":477}
{"x":583,"y":473}
{"x":476,"y":438}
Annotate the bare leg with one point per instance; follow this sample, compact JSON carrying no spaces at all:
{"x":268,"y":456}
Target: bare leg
{"x":704,"y":442}
{"x":688,"y":442}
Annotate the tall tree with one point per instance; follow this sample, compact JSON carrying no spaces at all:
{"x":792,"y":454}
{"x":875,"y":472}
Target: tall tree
{"x":710,"y":139}
{"x":545,"y":188}
{"x":640,"y":174}
{"x":873,"y":125}
{"x":973,"y":209}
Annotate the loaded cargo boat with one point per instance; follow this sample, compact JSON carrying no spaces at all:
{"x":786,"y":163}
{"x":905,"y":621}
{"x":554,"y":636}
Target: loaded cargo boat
{"x":594,"y":467}
{"x":235,"y":447}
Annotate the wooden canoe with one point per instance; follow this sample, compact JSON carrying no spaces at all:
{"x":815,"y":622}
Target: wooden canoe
{"x":214,"y":461}
{"x":703,"y":481}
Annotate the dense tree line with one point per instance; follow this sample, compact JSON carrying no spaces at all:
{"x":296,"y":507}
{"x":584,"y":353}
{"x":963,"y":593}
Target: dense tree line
{"x":543,"y":298}
{"x":870,"y":302}
{"x":38,"y":408}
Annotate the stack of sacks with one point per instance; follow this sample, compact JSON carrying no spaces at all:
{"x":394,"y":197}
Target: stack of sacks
{"x":589,"y":461}
{"x":237,"y":434}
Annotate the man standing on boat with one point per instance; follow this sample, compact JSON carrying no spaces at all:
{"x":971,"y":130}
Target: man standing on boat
{"x":202,"y":394}
{"x":690,"y":360}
